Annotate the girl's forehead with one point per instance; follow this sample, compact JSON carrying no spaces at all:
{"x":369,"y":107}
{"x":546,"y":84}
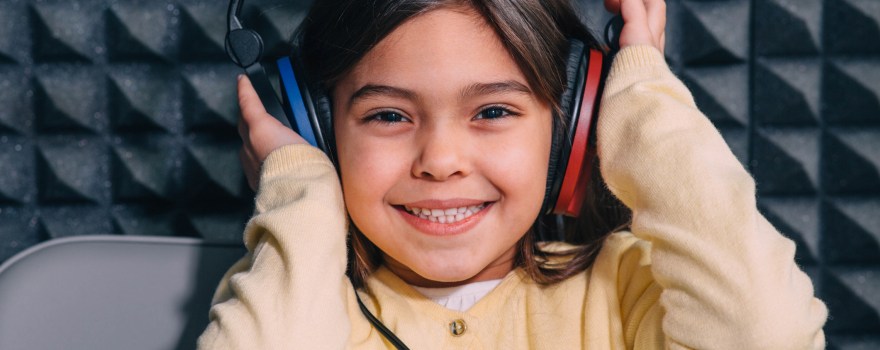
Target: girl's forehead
{"x":438,"y":48}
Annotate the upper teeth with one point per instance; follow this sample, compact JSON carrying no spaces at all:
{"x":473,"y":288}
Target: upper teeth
{"x":444,"y":216}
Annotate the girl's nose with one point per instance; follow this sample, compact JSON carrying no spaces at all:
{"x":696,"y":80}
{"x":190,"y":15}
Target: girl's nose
{"x":443,"y":154}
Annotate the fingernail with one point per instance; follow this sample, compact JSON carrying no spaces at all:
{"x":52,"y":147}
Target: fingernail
{"x":240,"y":76}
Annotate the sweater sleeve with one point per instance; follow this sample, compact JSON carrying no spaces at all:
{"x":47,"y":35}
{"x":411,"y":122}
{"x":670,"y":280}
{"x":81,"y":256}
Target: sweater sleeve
{"x":290,"y":289}
{"x":728,"y":278}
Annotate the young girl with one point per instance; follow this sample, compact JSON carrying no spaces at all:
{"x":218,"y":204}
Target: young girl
{"x":444,"y":113}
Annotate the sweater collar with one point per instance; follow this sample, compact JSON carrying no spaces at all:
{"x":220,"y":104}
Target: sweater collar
{"x":392,"y":292}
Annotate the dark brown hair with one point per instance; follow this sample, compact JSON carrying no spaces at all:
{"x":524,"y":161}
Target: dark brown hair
{"x":335,"y":35}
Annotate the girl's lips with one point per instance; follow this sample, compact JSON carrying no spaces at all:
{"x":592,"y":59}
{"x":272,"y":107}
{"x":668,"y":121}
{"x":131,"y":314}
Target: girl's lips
{"x":437,"y":229}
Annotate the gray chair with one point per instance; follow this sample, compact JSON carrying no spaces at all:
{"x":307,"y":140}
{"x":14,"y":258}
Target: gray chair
{"x":110,"y":292}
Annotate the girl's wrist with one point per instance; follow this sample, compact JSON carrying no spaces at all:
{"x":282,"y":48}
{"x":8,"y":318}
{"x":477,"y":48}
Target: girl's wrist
{"x":290,"y":157}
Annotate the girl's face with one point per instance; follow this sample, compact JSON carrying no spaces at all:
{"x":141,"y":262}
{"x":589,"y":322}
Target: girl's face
{"x":443,"y":149}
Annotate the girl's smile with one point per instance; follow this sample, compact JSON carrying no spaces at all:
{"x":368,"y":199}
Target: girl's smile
{"x":445,"y":211}
{"x":444,"y":217}
{"x":443,"y":149}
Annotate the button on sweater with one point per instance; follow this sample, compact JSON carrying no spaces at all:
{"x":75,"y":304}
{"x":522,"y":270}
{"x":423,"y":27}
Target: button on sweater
{"x":700,"y":268}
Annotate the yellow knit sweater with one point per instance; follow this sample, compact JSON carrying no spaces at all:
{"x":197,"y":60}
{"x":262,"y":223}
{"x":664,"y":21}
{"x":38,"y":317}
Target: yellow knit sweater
{"x":701,"y":268}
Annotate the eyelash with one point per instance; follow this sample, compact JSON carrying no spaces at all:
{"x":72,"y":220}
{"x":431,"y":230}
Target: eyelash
{"x":506,"y":112}
{"x":377,"y":117}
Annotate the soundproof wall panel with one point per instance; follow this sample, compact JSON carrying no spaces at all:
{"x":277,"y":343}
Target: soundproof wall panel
{"x":815,"y":148}
{"x":120,"y":118}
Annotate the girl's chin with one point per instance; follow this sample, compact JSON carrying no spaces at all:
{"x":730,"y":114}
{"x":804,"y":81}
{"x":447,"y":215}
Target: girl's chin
{"x":450,"y":275}
{"x":446,"y":277}
{"x":434,"y":274}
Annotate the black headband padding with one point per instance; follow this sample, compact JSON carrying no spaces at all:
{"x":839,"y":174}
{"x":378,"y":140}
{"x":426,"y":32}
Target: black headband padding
{"x":323,"y":107}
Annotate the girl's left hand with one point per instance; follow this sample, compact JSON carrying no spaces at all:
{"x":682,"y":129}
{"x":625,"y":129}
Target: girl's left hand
{"x":260,"y":132}
{"x":644,"y":22}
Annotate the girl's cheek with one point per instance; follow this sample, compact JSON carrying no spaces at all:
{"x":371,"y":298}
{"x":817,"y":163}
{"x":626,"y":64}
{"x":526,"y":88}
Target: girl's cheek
{"x":369,"y":169}
{"x":522,"y":156}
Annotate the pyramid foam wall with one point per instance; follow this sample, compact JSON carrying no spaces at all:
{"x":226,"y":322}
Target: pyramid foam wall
{"x":119,"y":118}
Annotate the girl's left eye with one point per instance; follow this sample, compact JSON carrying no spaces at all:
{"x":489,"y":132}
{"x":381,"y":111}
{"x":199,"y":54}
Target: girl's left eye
{"x":494,"y":112}
{"x":386,"y":117}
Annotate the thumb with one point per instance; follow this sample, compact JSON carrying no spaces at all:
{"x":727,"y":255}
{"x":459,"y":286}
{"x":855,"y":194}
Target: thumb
{"x":249,"y":102}
{"x":261,"y":132}
{"x":633,"y":11}
{"x":635,"y":23}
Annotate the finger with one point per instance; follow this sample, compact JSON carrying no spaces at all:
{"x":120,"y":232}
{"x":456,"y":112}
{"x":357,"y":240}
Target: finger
{"x":248,"y":151}
{"x":263,"y":133}
{"x":656,"y":12}
{"x":243,"y":130}
{"x":240,"y":124}
{"x":635,"y":24}
{"x":247,"y":165}
{"x":252,"y":161}
{"x":253,"y":114}
{"x":249,"y":102}
{"x":612,"y":6}
{"x":633,"y":11}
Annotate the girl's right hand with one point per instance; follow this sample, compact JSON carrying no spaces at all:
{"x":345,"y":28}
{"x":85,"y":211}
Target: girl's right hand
{"x":644,"y":21}
{"x":260,"y":132}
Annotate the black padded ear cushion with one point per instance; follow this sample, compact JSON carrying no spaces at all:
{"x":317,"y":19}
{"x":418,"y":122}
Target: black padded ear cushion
{"x":561,"y":142}
{"x":320,"y":105}
{"x":324,"y":112}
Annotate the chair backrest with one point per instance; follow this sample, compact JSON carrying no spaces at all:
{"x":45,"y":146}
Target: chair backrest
{"x":110,"y":292}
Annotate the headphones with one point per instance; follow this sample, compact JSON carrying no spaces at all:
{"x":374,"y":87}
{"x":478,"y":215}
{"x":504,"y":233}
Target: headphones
{"x":308,"y":111}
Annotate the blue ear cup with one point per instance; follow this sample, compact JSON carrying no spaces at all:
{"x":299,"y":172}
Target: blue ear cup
{"x":306,"y":107}
{"x":294,"y":102}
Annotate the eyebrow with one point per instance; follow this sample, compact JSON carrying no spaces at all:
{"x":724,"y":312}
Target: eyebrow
{"x":371,"y":90}
{"x":475,"y":89}
{"x":482,"y":89}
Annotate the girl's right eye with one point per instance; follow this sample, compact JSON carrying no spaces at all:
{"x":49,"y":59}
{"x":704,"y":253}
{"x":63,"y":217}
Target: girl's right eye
{"x":386,"y":117}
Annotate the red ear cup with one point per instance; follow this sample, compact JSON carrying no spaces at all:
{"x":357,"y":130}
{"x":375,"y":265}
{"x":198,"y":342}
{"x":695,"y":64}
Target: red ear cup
{"x":580,"y":159}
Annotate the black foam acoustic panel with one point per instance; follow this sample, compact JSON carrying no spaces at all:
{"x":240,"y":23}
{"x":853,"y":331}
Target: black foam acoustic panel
{"x":119,"y":117}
